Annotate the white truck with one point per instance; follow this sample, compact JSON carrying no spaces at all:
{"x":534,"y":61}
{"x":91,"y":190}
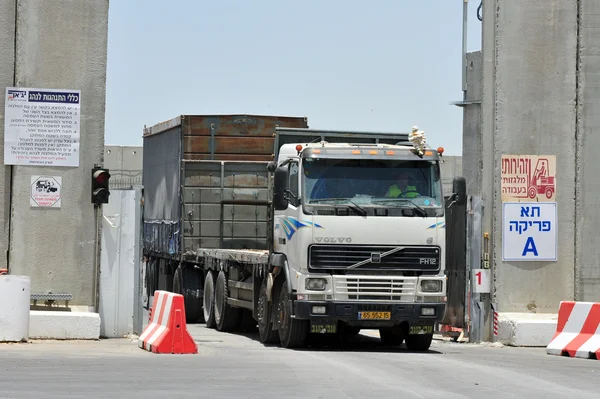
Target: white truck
{"x":314,"y":241}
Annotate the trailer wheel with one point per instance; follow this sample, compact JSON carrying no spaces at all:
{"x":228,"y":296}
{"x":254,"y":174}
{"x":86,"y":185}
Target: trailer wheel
{"x":226,"y":317}
{"x":419,"y":342}
{"x":292,"y":332}
{"x":208,"y":300}
{"x":186,"y":281}
{"x":265,"y":323}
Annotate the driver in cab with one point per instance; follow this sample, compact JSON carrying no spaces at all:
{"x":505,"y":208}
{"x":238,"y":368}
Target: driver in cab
{"x":404,"y":187}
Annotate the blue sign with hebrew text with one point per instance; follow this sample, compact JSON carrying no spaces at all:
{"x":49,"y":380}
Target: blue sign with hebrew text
{"x":529,"y":231}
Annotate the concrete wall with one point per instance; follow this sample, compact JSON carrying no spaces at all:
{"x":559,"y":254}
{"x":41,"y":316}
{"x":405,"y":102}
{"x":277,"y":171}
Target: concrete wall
{"x":588,"y":168}
{"x":125,"y":164}
{"x":61,"y":44}
{"x":123,"y":157}
{"x":450,"y":168}
{"x":529,"y":87}
{"x":7,"y":56}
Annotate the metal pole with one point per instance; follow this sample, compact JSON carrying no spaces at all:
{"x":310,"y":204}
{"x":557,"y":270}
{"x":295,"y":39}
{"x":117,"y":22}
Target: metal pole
{"x":464,"y":44}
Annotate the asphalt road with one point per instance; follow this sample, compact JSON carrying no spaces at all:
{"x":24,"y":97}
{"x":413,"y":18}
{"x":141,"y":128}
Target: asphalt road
{"x":230,"y":366}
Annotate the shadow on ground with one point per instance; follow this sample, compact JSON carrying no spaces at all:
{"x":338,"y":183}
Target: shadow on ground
{"x":321,"y":342}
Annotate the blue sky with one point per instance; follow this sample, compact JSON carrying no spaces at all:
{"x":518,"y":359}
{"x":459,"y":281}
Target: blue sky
{"x":383,"y":65}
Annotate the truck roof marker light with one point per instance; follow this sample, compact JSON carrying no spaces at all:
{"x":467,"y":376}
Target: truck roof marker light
{"x":356,"y":152}
{"x":390,"y":152}
{"x":428,"y":153}
{"x":373,"y":152}
{"x":316,"y":151}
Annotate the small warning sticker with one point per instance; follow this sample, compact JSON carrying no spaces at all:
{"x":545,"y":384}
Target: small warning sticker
{"x":45,"y":191}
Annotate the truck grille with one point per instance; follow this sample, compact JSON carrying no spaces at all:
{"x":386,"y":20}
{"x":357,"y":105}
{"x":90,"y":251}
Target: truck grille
{"x":409,"y":258}
{"x":369,"y":288}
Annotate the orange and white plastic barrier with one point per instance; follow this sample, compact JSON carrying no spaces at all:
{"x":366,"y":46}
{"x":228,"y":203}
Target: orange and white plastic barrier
{"x":167,"y":331}
{"x":577,"y":331}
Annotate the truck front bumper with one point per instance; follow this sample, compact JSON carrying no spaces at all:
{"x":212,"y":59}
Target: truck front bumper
{"x":353,"y":313}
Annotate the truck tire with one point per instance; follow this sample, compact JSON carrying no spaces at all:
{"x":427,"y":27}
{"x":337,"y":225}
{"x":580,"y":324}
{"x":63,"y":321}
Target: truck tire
{"x":265,"y":321}
{"x":292,"y":332}
{"x":187,"y":282}
{"x":227,"y":318}
{"x":391,"y":336}
{"x":419,"y":342}
{"x":208,"y":300}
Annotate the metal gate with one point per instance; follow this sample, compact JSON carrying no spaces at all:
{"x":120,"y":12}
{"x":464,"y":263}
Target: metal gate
{"x":463,"y":253}
{"x":120,"y":305}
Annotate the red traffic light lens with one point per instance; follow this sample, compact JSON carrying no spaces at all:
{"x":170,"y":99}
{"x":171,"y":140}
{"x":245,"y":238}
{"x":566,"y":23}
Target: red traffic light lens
{"x":101,"y":178}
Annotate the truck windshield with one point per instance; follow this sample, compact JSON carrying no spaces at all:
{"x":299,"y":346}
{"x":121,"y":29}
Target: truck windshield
{"x":370,"y":182}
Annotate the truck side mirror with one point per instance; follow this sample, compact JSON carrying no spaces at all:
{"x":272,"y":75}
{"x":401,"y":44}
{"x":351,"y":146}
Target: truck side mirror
{"x":459,"y":190}
{"x":280,"y":202}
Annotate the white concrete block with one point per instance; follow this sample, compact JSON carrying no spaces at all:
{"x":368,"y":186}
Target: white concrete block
{"x":14,"y":308}
{"x":526,"y":329}
{"x":64,"y":325}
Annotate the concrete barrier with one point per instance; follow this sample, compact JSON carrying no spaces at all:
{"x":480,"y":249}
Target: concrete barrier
{"x":48,"y":324}
{"x":167,"y":331}
{"x":14,"y":308}
{"x":578,"y":331}
{"x":526,"y":329}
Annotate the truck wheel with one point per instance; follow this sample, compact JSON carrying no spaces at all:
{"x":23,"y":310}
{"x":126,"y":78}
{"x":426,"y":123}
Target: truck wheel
{"x":208,"y":300}
{"x":391,"y":336}
{"x":186,"y":282}
{"x":265,"y":324}
{"x":292,"y":332}
{"x":419,"y":342}
{"x":226,"y":317}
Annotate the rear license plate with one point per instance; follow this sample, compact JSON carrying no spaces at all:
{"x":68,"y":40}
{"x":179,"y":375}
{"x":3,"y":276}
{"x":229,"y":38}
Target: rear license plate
{"x":374,"y":315}
{"x":323,"y":328}
{"x":417,"y":330}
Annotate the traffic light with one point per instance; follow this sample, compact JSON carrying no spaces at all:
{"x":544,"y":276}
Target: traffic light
{"x":100,"y":187}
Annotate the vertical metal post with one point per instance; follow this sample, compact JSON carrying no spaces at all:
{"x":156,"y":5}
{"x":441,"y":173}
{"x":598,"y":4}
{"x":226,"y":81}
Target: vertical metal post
{"x":212,"y":141}
{"x":138,"y":311}
{"x":464,"y":44}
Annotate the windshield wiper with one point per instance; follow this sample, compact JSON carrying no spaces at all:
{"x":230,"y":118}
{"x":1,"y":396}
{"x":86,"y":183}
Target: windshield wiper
{"x":420,"y":210}
{"x":355,"y":207}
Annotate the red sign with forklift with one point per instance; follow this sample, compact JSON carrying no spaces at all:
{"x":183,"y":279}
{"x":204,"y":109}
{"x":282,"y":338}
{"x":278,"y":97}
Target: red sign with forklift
{"x":528,"y":178}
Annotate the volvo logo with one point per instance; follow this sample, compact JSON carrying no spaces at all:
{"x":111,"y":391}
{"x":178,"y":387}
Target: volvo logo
{"x":375,"y":258}
{"x":427,"y":261}
{"x":334,"y":239}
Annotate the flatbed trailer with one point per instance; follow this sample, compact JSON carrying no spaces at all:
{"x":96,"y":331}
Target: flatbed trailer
{"x":224,"y":245}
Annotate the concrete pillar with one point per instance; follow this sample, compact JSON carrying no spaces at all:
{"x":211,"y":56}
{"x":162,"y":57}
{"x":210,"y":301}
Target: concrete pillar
{"x":61,"y":45}
{"x":7,"y":72}
{"x":472,"y":143}
{"x":587,"y":209}
{"x":535,"y":113}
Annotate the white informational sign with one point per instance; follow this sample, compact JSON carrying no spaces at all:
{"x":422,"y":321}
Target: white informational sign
{"x":529,"y":231}
{"x":41,"y":127}
{"x":481,"y":281}
{"x":45,"y":191}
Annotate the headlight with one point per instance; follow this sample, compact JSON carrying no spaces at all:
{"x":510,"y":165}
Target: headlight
{"x":431,"y":285}
{"x":315,"y":284}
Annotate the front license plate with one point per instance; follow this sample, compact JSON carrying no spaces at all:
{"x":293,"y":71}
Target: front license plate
{"x":323,"y":328}
{"x":374,"y":315}
{"x":417,"y":330}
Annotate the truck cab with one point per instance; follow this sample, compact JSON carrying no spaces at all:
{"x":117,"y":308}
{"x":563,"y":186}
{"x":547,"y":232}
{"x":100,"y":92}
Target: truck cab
{"x":362,"y":230}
